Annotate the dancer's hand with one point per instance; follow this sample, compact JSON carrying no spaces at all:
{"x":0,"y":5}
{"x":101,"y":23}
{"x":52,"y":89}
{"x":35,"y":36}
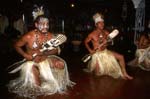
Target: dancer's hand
{"x":28,"y":57}
{"x":39,"y":58}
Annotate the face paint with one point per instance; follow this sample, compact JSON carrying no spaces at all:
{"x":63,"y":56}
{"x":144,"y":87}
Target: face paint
{"x":43,"y":25}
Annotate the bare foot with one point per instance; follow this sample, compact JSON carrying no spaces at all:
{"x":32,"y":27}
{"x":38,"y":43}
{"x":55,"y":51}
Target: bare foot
{"x":127,"y":77}
{"x":86,"y":70}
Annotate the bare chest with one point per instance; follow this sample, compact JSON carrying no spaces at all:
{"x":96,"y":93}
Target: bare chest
{"x":38,"y":40}
{"x":98,"y":38}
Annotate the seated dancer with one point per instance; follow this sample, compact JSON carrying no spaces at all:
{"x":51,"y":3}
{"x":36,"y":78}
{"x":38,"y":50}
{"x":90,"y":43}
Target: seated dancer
{"x":104,"y":61}
{"x":43,"y":73}
{"x":142,"y":55}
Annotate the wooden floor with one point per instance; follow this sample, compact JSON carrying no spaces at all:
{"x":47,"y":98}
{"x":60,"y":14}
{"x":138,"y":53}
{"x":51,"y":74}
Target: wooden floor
{"x":87,"y":85}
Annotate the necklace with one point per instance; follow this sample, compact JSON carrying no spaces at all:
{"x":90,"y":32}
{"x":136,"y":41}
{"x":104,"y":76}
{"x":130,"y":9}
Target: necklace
{"x":101,"y":36}
{"x":37,"y":43}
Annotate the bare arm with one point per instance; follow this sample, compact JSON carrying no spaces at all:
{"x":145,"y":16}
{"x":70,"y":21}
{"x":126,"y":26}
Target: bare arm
{"x":51,"y":52}
{"x":18,"y":46}
{"x":86,"y":42}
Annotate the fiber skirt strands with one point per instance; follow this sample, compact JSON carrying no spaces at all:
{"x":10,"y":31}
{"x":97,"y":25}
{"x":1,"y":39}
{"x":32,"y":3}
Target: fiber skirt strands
{"x":106,"y":63}
{"x":53,"y":79}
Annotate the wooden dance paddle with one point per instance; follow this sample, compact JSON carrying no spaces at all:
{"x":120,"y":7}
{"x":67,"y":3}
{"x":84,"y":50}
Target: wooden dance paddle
{"x":49,"y":45}
{"x":111,"y":36}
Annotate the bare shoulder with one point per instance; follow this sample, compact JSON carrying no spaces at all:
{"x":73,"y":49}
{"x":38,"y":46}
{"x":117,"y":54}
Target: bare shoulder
{"x":91,"y":35}
{"x":50,"y":35}
{"x":106,"y":31}
{"x":28,"y":36}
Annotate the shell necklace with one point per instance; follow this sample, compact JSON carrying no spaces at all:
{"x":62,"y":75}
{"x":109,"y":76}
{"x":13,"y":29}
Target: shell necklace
{"x":37,"y":43}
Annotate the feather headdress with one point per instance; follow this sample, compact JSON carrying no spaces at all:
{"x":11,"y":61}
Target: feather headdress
{"x":98,"y":18}
{"x":37,"y":12}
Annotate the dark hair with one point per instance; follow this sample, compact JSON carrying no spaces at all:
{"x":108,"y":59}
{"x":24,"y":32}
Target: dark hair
{"x":145,"y":33}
